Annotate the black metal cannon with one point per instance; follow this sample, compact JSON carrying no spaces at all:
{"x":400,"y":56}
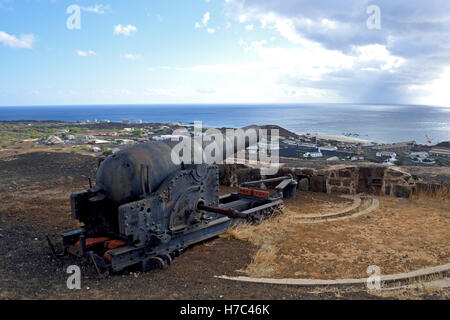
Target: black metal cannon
{"x":145,"y":210}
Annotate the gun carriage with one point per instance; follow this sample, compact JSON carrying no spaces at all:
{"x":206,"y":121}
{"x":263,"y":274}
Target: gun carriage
{"x":145,"y":210}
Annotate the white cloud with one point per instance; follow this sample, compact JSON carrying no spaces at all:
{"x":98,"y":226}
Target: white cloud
{"x":410,"y":50}
{"x":204,"y":23}
{"x":25,"y":41}
{"x":206,"y":18}
{"x":98,"y":8}
{"x":379,"y":54}
{"x":125,"y":30}
{"x":82,"y":53}
{"x":285,"y":26}
{"x":130,"y":56}
{"x":436,"y":92}
{"x":249,"y":27}
{"x":287,"y":74}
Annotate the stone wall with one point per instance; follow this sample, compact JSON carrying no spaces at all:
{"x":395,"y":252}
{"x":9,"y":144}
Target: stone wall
{"x":234,"y":174}
{"x":368,"y":179}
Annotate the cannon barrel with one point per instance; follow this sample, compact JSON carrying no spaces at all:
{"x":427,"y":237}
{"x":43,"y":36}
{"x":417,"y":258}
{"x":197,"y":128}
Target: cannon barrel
{"x":133,"y":172}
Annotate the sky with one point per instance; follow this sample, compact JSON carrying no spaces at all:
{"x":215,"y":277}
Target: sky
{"x":57,"y":52}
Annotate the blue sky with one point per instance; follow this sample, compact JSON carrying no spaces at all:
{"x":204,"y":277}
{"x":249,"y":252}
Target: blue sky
{"x":224,"y":51}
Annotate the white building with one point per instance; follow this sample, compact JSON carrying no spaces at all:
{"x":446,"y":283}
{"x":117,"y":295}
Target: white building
{"x":313,"y":155}
{"x":329,"y":148}
{"x":386,"y":154}
{"x":419,"y":155}
{"x":88,"y":138}
{"x":357,"y":158}
{"x":173,"y":137}
{"x":307,"y":145}
{"x":100,"y":141}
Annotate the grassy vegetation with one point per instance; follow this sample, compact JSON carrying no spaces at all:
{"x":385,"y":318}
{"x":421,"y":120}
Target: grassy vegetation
{"x":137,"y":132}
{"x":286,"y":249}
{"x":12,"y":133}
{"x":434,"y":193}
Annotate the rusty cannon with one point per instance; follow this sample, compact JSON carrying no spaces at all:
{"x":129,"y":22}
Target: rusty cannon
{"x":145,"y":210}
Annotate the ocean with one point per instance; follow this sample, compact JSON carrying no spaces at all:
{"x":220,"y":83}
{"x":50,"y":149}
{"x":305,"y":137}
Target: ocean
{"x":379,"y":123}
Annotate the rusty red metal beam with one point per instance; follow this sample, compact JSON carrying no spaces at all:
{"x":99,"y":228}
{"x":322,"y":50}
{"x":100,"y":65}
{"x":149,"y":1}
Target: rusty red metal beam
{"x":231,"y":213}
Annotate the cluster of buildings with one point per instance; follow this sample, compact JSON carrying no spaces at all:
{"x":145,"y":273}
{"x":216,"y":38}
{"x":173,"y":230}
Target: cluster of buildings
{"x":292,"y":146}
{"x":441,"y":150}
{"x":408,"y":152}
{"x":104,"y":141}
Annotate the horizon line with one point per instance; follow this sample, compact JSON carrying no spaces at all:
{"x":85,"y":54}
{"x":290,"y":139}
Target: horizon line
{"x":223,"y":104}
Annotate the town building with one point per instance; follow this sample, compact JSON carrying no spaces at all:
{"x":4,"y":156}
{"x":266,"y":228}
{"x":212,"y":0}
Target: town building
{"x":441,"y":150}
{"x":386,"y":154}
{"x":166,"y":137}
{"x":313,"y":155}
{"x":357,"y":158}
{"x":328,"y":148}
{"x":395,"y":147}
{"x":307,"y":145}
{"x":419,"y":156}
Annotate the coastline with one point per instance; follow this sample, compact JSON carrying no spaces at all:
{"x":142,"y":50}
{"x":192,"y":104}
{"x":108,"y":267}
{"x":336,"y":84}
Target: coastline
{"x":383,"y":124}
{"x":340,"y":138}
